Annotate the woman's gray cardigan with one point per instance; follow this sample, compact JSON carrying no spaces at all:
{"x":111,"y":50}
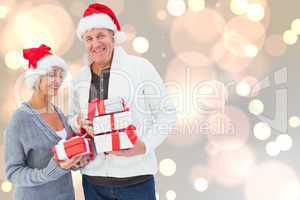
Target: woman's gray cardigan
{"x":28,"y":158}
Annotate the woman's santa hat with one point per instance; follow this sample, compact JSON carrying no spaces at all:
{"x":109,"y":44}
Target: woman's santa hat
{"x":100,"y":16}
{"x":41,"y":61}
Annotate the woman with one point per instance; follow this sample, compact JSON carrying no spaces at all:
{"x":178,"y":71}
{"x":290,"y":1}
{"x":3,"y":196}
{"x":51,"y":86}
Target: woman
{"x":34,"y":128}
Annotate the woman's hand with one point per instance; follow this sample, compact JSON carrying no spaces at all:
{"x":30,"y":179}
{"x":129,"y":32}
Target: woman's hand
{"x":68,"y":164}
{"x":83,"y":162}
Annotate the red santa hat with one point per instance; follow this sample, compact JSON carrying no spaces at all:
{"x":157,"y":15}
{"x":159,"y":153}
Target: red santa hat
{"x":100,"y":16}
{"x":41,"y":61}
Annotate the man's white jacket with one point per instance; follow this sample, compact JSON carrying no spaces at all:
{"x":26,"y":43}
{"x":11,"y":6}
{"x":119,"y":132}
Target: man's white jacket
{"x":137,"y":81}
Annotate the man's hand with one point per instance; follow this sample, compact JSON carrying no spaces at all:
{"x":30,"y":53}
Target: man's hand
{"x":85,"y":124}
{"x":138,"y":148}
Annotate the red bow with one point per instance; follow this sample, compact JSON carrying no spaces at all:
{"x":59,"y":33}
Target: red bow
{"x":33,"y":55}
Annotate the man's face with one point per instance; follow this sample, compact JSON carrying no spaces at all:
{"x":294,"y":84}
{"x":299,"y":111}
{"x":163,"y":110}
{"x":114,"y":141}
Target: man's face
{"x":99,"y":43}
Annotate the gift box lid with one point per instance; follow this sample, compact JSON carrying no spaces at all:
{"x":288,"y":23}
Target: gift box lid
{"x":75,"y":146}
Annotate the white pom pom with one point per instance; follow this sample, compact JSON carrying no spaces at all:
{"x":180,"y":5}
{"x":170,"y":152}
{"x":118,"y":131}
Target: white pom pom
{"x":120,"y":37}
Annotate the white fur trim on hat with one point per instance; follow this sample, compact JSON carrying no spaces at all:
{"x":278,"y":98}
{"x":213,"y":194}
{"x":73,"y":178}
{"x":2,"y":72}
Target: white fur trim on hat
{"x":43,"y":67}
{"x":120,"y":37}
{"x":99,"y":21}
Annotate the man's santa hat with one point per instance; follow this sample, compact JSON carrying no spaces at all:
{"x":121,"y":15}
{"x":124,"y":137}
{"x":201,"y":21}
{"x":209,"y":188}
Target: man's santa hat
{"x":41,"y":61}
{"x":100,"y":16}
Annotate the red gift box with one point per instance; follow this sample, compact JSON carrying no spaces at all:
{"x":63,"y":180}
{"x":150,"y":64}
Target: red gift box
{"x":67,"y":149}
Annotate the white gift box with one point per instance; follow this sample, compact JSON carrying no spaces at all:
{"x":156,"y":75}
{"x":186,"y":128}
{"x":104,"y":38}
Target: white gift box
{"x":114,"y":105}
{"x":108,"y":123}
{"x":107,"y":106}
{"x":105,"y":142}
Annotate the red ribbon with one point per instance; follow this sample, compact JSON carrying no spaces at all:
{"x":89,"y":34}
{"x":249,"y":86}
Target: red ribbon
{"x":91,"y":154}
{"x":115,"y":141}
{"x":93,"y":105}
{"x":112,"y":122}
{"x":130,"y":132}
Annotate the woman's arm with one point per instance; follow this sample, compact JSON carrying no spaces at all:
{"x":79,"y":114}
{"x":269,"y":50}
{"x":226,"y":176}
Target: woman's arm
{"x":17,"y":171}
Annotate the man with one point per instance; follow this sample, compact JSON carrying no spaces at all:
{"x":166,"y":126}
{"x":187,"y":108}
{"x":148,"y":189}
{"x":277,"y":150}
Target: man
{"x":125,"y":174}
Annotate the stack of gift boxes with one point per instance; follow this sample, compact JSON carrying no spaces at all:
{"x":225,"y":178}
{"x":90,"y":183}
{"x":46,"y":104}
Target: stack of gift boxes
{"x":113,"y":130}
{"x":112,"y":125}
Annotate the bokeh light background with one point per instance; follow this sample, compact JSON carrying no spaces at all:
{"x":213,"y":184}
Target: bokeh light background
{"x":231,"y":67}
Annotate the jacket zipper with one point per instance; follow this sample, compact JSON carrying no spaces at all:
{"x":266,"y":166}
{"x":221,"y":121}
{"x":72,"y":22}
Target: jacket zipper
{"x":105,"y":163}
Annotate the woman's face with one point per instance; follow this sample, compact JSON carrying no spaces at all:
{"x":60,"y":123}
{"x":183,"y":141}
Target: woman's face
{"x":99,"y":43}
{"x":51,"y":82}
